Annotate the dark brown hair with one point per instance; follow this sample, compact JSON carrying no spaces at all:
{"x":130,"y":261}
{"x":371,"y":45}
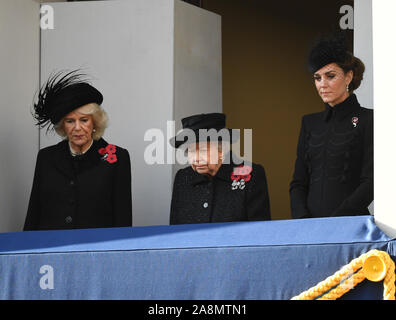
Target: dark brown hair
{"x":357,"y":66}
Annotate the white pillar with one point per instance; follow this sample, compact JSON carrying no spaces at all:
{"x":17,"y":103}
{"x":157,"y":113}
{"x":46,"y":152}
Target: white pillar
{"x":19,"y":69}
{"x":384,"y":53}
{"x":363,"y":48}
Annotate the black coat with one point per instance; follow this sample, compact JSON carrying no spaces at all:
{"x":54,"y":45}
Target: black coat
{"x":85,"y":191}
{"x":198,"y":198}
{"x":333,"y":173}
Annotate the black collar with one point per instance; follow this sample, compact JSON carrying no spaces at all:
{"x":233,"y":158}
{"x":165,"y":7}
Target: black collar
{"x":199,"y":178}
{"x":63,"y":159}
{"x":225,"y":171}
{"x":341,"y":110}
{"x":92,"y":153}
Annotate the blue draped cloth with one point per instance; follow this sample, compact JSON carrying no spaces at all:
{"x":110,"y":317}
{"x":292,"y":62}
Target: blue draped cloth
{"x":222,"y":261}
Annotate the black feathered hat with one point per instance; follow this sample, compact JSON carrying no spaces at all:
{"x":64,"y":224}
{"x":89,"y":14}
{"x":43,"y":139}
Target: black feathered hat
{"x":206,"y":121}
{"x":326,"y":50}
{"x":61,"y":94}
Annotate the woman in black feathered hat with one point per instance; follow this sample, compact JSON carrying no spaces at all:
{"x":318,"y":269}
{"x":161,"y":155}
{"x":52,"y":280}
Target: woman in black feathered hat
{"x":83,"y":181}
{"x":215,"y":187}
{"x":333,"y":173}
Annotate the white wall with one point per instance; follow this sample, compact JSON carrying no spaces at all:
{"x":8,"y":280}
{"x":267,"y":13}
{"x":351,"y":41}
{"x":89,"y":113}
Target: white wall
{"x":363,"y":49}
{"x":373,"y":23}
{"x":129,"y":48}
{"x":384,"y":53}
{"x":19,"y":69}
{"x":197,"y":63}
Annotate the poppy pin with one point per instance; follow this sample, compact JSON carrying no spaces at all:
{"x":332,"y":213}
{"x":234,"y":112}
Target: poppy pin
{"x":355,"y":121}
{"x":108,"y":153}
{"x":240,"y":176}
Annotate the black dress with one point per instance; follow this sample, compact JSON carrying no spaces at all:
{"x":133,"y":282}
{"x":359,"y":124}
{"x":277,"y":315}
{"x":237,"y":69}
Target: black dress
{"x":228,"y":196}
{"x":333,"y":173}
{"x":92,"y":190}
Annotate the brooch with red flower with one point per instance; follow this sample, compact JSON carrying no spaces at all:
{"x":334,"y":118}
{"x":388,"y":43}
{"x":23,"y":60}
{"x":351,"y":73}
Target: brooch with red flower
{"x":108,"y":153}
{"x":240,"y":176}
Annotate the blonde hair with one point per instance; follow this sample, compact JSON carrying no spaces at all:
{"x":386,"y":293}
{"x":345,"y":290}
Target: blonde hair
{"x":99,"y":116}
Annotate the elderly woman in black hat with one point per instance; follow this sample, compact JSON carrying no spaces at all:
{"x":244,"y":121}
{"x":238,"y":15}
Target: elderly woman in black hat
{"x":83,"y":181}
{"x":333,"y":173}
{"x":214,"y":188}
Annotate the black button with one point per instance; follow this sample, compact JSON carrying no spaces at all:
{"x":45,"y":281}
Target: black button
{"x":72,"y":201}
{"x":68,"y":219}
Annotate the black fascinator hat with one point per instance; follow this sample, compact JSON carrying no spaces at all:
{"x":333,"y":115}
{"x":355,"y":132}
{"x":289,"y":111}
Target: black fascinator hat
{"x":61,"y":94}
{"x":204,"y":121}
{"x":328,"y":49}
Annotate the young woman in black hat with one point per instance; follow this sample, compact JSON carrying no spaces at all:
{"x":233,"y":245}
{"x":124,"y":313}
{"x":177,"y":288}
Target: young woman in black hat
{"x":214,"y":188}
{"x":83,"y":181}
{"x":333,"y":173}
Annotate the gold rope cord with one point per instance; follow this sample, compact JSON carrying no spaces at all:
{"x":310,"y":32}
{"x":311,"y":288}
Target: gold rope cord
{"x":374,"y":265}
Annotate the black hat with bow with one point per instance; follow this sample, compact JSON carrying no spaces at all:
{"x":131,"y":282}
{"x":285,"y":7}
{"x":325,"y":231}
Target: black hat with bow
{"x":61,"y":94}
{"x":204,"y":127}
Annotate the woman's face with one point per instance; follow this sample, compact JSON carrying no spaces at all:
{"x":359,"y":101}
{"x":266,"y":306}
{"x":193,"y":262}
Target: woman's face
{"x":331,"y":83}
{"x":205,"y":157}
{"x":78,"y":128}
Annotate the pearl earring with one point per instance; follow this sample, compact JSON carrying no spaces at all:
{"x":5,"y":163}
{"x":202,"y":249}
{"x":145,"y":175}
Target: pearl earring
{"x":347,"y":87}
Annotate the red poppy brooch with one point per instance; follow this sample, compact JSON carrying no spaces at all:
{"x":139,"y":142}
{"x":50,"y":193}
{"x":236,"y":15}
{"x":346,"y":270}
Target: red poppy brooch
{"x":108,"y":153}
{"x":240,"y":176}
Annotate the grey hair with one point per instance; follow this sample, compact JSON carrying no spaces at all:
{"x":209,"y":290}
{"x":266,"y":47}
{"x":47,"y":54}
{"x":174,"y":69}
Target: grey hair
{"x":100,"y":120}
